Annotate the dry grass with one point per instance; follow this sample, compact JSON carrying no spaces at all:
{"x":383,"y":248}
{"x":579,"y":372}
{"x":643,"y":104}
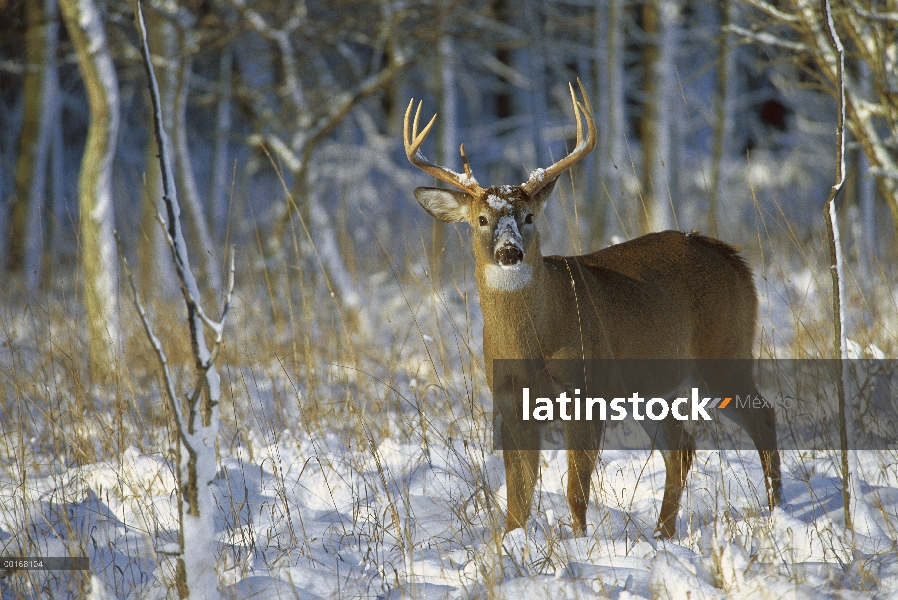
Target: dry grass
{"x":313,"y":387}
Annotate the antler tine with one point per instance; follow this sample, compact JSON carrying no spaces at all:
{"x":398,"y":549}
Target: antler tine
{"x":539,"y":178}
{"x":464,"y":158}
{"x":585,"y":98}
{"x":576,"y":114}
{"x":413,"y":142}
{"x":405,"y":136}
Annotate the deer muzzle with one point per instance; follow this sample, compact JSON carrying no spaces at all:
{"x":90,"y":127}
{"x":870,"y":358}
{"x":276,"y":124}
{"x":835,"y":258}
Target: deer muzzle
{"x":509,"y":247}
{"x":509,"y":255}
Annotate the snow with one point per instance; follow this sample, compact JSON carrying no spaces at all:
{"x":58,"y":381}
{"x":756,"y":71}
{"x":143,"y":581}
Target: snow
{"x":537,"y":175}
{"x":339,"y":539}
{"x":507,"y":233}
{"x":497,"y":203}
{"x":466,"y":180}
{"x":395,"y":491}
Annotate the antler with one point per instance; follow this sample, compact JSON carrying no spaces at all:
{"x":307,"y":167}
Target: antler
{"x":465,"y":182}
{"x":540,"y":177}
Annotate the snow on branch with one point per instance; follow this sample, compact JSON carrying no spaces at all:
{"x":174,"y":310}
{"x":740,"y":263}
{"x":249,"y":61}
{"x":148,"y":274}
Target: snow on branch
{"x":281,"y":38}
{"x":172,"y":224}
{"x":768,"y":39}
{"x":195,"y":573}
{"x":297,"y":157}
{"x":773,"y":11}
{"x":875,"y":16}
{"x":880,"y":172}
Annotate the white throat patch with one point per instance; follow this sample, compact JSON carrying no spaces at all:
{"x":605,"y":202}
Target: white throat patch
{"x":508,"y":279}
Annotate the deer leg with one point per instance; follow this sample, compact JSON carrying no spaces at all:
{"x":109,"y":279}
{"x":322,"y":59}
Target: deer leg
{"x":520,"y":452}
{"x":677,"y":463}
{"x":773,"y":480}
{"x":760,"y":424}
{"x":521,"y":467}
{"x":581,"y":464}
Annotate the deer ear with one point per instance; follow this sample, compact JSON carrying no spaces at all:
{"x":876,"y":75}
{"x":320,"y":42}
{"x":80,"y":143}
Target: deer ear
{"x":543,"y":194}
{"x":446,"y":205}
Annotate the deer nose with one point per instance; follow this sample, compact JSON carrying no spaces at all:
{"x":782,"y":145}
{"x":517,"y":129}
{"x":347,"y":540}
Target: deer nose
{"x":508,"y":255}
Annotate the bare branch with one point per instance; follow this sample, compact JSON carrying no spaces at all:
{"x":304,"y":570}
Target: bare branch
{"x":297,"y":157}
{"x":773,"y":11}
{"x":280,"y":147}
{"x":215,"y":326}
{"x":874,"y":16}
{"x":768,"y":39}
{"x":170,"y":394}
{"x":840,"y":340}
{"x":880,"y":172}
{"x":281,"y":38}
{"x":839,"y":52}
{"x":345,"y":102}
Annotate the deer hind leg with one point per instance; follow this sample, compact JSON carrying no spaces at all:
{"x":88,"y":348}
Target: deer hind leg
{"x":679,"y":449}
{"x":521,"y":468}
{"x":760,"y":423}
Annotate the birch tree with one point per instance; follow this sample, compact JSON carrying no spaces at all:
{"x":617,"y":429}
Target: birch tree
{"x":98,"y":256}
{"x":722,"y":120}
{"x":660,"y":19}
{"x":291,"y":127}
{"x":609,"y":61}
{"x":858,"y":516}
{"x":41,"y":104}
{"x":871,"y":112}
{"x":196,"y":422}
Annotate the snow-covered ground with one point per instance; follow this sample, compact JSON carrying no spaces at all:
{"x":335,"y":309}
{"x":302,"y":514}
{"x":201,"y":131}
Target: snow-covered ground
{"x":365,"y":469}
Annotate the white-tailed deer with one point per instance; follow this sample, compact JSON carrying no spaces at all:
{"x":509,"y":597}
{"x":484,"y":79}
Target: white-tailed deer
{"x":660,"y":296}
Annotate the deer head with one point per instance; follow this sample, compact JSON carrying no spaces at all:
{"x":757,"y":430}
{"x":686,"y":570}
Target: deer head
{"x":503,"y":217}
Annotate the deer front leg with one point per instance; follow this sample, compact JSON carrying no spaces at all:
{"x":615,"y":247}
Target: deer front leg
{"x":520,"y":452}
{"x":521,"y":468}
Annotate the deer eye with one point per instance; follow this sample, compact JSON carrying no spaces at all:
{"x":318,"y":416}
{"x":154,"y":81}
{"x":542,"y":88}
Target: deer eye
{"x":482,"y":221}
{"x":528,"y":219}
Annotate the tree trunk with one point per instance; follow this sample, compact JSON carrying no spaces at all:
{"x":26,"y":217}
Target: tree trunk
{"x":40,"y":100}
{"x":671,"y":116}
{"x":219,"y":197}
{"x":606,"y":77}
{"x":721,"y":116}
{"x":613,"y":153}
{"x":58,"y":206}
{"x":98,"y":255}
{"x":658,"y":16}
{"x":447,"y":143}
{"x":867,"y":188}
{"x":159,"y":278}
{"x":190,"y":197}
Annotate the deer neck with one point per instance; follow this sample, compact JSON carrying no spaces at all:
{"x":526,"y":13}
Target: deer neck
{"x":513,"y":304}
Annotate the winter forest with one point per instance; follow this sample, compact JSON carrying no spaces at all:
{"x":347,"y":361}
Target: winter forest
{"x":254,"y":367}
